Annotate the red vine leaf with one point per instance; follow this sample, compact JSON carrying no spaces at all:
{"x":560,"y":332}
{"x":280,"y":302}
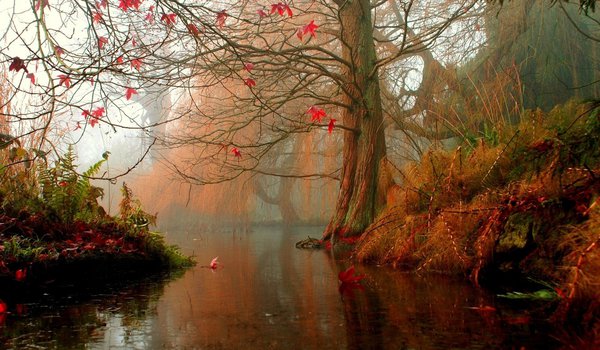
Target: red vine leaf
{"x":281,"y":8}
{"x":64,"y":79}
{"x":316,"y":114}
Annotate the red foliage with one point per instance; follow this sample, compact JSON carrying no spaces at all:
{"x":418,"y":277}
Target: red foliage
{"x":136,"y":63}
{"x":17,"y":64}
{"x":97,"y":17}
{"x":31,"y":77}
{"x":316,"y":114}
{"x":249,"y":82}
{"x":101,"y":42}
{"x":64,"y":79}
{"x":3,"y":307}
{"x":21,"y":275}
{"x":236,"y":152}
{"x":348,"y":276}
{"x":193,"y":29}
{"x":221,"y":17}
{"x":307,"y":29}
{"x":169,"y":19}
{"x":282,"y":9}
{"x":129,"y":92}
{"x":331,"y":125}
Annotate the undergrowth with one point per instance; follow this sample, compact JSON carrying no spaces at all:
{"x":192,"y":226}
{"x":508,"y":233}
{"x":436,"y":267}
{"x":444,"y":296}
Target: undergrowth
{"x":526,"y":204}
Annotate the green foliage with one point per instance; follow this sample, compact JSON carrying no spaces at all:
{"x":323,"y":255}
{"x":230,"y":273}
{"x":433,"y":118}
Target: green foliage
{"x":68,"y":194}
{"x":131,"y":212}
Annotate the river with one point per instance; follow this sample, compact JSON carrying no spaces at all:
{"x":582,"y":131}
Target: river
{"x":266,"y":294}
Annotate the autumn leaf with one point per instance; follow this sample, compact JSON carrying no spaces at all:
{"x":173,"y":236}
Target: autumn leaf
{"x":130,"y":92}
{"x":127,"y":4}
{"x":3,"y":307}
{"x":42,"y":4}
{"x":249,"y":66}
{"x":331,"y":125}
{"x":120,"y":60}
{"x":193,"y":29}
{"x":58,"y":51}
{"x":98,"y":112}
{"x":281,"y":8}
{"x":17,"y":64}
{"x":348,"y":276}
{"x":221,"y":17}
{"x":214,"y":263}
{"x":316,"y":114}
{"x":77,"y":126}
{"x":86,"y":113}
{"x":136,"y":63}
{"x":261,"y":13}
{"x":97,"y":17}
{"x":101,"y":42}
{"x":149,"y":17}
{"x":102,"y":3}
{"x":236,"y":152}
{"x":64,"y":79}
{"x":31,"y":77}
{"x":249,"y":82}
{"x":307,"y":29}
{"x":169,"y":19}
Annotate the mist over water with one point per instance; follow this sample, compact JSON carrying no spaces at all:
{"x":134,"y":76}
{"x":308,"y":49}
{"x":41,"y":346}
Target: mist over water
{"x":266,"y":294}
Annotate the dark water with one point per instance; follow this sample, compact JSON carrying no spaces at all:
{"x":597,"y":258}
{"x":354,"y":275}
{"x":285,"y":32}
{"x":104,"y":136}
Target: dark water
{"x":270,"y":295}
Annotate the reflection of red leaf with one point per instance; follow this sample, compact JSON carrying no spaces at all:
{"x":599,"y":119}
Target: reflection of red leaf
{"x":3,"y":307}
{"x":331,"y":125}
{"x":249,"y":82}
{"x":221,"y":17}
{"x":17,"y":64}
{"x":347,"y":289}
{"x":129,"y":92}
{"x":348,"y":276}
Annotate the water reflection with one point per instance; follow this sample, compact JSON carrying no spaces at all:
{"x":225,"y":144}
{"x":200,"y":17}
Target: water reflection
{"x":269,"y":295}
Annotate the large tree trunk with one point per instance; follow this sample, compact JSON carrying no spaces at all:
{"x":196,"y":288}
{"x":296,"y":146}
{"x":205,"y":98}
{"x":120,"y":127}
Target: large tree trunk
{"x":364,"y":181}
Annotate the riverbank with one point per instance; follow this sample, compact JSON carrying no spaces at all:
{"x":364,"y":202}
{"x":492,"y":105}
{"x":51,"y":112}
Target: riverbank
{"x":519,"y":201}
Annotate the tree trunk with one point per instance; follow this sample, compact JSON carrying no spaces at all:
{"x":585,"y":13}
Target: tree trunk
{"x":364,"y":182}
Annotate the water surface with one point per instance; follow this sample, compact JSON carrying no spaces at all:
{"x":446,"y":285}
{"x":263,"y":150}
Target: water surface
{"x":269,"y":295}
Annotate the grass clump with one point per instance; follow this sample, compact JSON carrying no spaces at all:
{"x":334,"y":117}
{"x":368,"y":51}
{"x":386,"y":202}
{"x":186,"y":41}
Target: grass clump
{"x":526,"y":204}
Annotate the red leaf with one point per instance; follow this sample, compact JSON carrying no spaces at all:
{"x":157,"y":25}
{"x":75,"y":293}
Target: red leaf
{"x":102,"y":3}
{"x":20,"y":275}
{"x":31,"y":77}
{"x":97,"y":17}
{"x":93,"y":122}
{"x":261,"y":13}
{"x":136,"y":63}
{"x":236,"y":152}
{"x":120,"y":60}
{"x":129,"y":92}
{"x":17,"y":64}
{"x":193,"y":29}
{"x":249,"y":66}
{"x":3,"y":307}
{"x":101,"y":42}
{"x":307,"y":29}
{"x":77,"y":126}
{"x":149,"y":17}
{"x":317,"y":114}
{"x":348,"y":276}
{"x":62,"y":184}
{"x":221,"y":17}
{"x":281,"y":8}
{"x":249,"y":82}
{"x":85,"y":113}
{"x":127,"y":4}
{"x":42,"y":3}
{"x":64,"y":79}
{"x":98,"y":112}
{"x":58,"y":51}
{"x":169,"y":19}
{"x":214,"y":263}
{"x":331,"y":125}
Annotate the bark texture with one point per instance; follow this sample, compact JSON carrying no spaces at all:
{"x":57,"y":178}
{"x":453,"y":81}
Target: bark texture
{"x":364,"y":182}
